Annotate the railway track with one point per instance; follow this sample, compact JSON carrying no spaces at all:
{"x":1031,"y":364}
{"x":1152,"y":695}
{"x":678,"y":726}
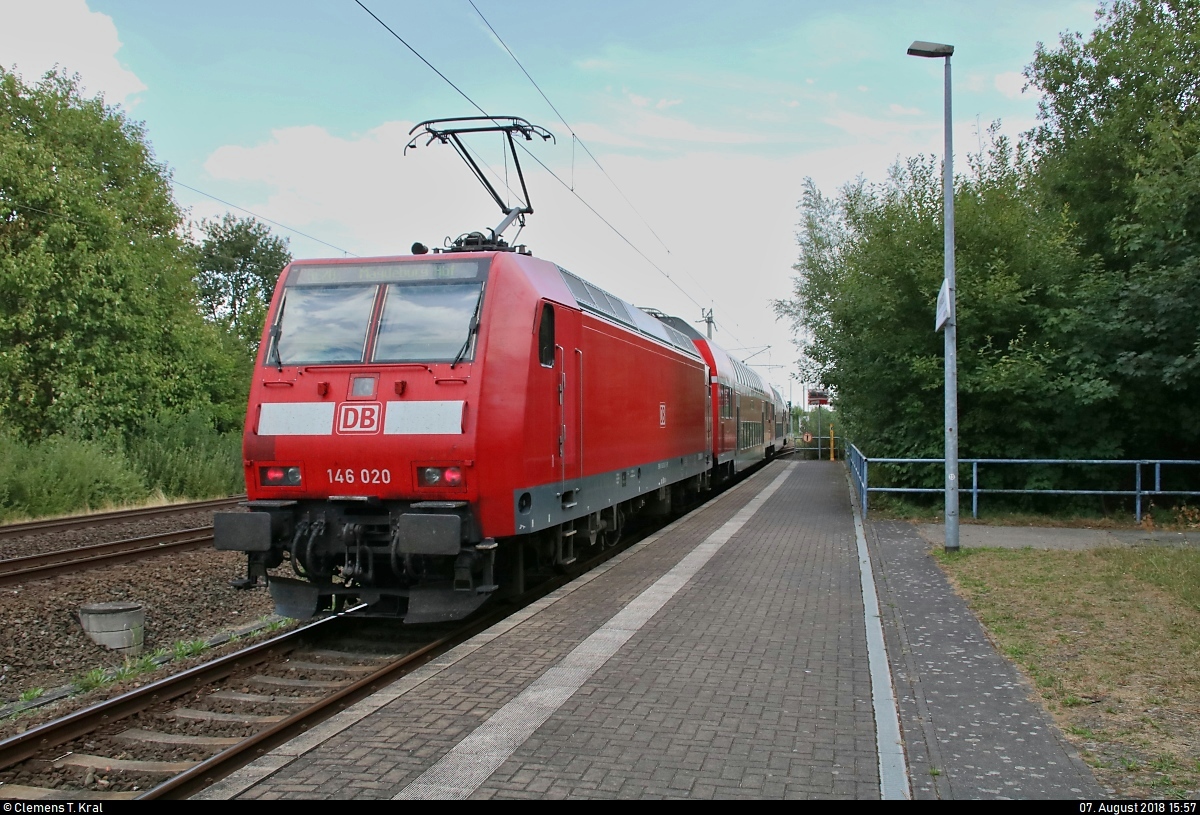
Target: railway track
{"x":181,"y":733}
{"x":62,"y":561}
{"x":101,"y":518}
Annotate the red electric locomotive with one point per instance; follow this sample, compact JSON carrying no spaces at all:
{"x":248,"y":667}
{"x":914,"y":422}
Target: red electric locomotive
{"x":423,"y":430}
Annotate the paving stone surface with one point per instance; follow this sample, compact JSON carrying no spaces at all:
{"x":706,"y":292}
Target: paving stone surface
{"x":751,"y":682}
{"x":972,"y":727}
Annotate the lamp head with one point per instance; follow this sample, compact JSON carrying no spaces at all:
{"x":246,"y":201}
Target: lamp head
{"x":930,"y":49}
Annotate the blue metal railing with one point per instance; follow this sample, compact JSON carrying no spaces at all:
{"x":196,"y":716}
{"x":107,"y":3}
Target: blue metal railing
{"x":860,"y":470}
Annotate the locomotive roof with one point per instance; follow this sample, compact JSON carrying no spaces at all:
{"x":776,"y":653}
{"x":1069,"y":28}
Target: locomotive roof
{"x":596,"y":300}
{"x":585,"y":295}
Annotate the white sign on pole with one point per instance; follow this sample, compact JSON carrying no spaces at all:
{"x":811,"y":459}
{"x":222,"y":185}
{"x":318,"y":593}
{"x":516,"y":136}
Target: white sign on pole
{"x":943,"y":307}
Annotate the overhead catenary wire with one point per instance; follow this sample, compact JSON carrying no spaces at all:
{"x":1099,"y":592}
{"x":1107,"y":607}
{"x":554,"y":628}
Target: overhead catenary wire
{"x":262,"y":218}
{"x":571,"y":130}
{"x":575,"y":138}
{"x":554,"y":175}
{"x":16,"y":206}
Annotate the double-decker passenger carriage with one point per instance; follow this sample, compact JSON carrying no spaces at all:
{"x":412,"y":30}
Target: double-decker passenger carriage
{"x":782,"y":413}
{"x":425,"y":430}
{"x":743,"y":434}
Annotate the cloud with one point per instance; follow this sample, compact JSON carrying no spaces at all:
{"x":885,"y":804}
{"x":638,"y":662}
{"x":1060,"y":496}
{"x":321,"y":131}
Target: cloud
{"x":36,"y":36}
{"x":596,"y":64}
{"x":1010,"y":83}
{"x":974,"y":81}
{"x":669,"y":128}
{"x":359,"y":192}
{"x":903,"y":111}
{"x":639,"y":101}
{"x":869,"y":129}
{"x":663,"y":104}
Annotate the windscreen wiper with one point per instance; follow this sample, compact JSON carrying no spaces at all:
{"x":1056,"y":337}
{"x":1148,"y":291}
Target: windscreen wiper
{"x":273,"y":337}
{"x":474,"y":327}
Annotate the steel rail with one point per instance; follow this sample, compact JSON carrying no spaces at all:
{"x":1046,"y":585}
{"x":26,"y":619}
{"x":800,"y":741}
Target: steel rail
{"x":26,"y":745}
{"x":233,"y":758}
{"x":64,"y":561}
{"x":102,"y":518}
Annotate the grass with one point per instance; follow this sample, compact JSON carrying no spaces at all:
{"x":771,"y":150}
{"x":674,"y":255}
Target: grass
{"x":1069,"y":514}
{"x":95,"y":678}
{"x":1110,"y":640}
{"x":148,"y":663}
{"x":31,"y":694}
{"x":183,"y":649}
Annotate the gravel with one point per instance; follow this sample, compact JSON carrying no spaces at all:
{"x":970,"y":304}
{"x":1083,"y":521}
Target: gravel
{"x":186,"y":596}
{"x":37,"y":544}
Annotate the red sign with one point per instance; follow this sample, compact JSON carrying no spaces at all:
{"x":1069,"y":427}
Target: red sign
{"x":359,"y":417}
{"x":818,"y":398}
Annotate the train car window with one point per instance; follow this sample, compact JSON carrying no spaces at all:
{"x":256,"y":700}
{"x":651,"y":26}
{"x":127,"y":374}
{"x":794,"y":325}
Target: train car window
{"x":429,"y":323}
{"x":546,"y":336}
{"x":323,"y":324}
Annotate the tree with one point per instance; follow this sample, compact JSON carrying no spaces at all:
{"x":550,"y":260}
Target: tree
{"x":1103,"y":99}
{"x":98,"y":323}
{"x":237,"y":263}
{"x":865,"y":294}
{"x":1119,"y":146}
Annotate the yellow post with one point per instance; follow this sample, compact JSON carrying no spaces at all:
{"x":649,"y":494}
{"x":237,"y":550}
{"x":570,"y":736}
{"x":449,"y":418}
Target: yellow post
{"x":831,"y":441}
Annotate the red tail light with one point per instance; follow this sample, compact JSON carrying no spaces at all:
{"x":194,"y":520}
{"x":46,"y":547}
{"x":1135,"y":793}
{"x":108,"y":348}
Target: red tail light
{"x":279,"y":476}
{"x":450,"y":477}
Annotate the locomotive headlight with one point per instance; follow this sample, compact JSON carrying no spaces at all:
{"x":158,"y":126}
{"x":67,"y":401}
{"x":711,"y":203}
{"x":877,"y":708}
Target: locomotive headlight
{"x":431,"y":476}
{"x":453,"y":477}
{"x":279,"y":476}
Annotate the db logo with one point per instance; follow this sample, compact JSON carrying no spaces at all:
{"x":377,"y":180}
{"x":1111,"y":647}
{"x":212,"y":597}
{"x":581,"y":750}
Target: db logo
{"x":662,"y":414}
{"x":359,"y":417}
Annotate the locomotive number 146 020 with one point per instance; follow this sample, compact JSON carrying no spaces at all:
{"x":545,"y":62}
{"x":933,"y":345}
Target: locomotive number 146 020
{"x":364,"y":476}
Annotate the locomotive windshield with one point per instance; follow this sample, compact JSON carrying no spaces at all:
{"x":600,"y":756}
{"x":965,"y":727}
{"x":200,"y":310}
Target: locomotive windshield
{"x":427,"y":323}
{"x":324,"y":324}
{"x":378,"y":312}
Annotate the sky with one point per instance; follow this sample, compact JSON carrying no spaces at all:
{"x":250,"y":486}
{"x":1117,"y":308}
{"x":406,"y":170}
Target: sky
{"x":704,"y":120}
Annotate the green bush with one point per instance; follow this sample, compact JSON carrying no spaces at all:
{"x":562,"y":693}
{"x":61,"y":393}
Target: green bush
{"x":61,"y":475}
{"x":175,"y":456}
{"x":185,"y":457}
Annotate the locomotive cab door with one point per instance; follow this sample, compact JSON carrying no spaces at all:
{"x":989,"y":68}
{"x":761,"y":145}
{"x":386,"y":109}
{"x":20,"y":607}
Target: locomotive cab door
{"x":558,"y":345}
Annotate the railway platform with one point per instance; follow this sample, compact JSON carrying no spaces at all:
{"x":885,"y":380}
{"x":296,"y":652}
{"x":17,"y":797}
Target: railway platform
{"x":738,"y":653}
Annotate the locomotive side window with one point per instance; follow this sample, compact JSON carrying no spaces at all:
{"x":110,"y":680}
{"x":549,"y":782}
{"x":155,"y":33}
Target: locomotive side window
{"x":546,"y":336}
{"x":322,"y":324}
{"x":429,"y":323}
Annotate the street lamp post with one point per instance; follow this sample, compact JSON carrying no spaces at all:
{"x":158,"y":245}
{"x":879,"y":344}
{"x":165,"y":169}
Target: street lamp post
{"x":946,"y":313}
